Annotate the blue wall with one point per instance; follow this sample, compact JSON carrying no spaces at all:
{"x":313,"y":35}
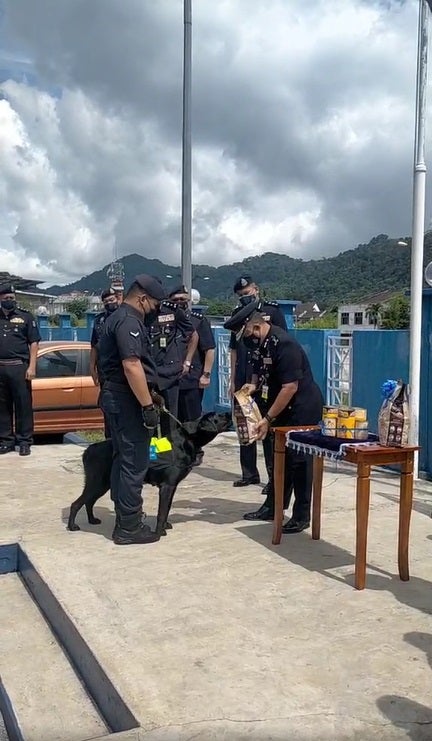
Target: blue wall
{"x":314,"y":342}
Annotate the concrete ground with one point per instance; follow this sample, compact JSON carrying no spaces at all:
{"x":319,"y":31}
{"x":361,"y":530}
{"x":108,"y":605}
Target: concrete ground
{"x":213,"y":633}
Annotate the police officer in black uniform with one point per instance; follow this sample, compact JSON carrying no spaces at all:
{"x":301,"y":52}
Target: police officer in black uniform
{"x":130,"y":376}
{"x":19,"y":339}
{"x":287,"y":395}
{"x":241,"y":370}
{"x":174,"y":342}
{"x":193,"y":383}
{"x":110,"y":302}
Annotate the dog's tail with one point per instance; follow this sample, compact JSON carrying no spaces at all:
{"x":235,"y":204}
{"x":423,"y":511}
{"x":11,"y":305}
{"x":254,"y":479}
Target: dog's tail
{"x":96,"y":451}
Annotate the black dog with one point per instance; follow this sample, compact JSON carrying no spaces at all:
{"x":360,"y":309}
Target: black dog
{"x":165,"y":472}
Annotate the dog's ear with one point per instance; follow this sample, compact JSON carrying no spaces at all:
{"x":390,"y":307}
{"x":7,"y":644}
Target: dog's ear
{"x":191,"y":428}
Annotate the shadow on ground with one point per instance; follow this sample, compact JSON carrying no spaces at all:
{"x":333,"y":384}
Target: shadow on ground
{"x":411,"y":716}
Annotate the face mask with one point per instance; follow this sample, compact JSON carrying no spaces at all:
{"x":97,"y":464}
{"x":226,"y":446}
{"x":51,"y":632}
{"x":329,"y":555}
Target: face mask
{"x":245,"y":300}
{"x":109,"y":308}
{"x":8,"y":304}
{"x":251,"y":342}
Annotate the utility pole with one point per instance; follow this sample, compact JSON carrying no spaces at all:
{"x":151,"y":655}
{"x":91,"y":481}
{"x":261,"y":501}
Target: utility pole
{"x":418,"y":219}
{"x":186,"y":235}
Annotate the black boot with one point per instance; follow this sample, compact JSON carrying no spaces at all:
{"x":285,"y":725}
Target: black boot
{"x":265,"y":512}
{"x":247,"y":482}
{"x":131,"y":530}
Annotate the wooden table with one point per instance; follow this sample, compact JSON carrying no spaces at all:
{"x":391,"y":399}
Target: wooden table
{"x":364,"y":458}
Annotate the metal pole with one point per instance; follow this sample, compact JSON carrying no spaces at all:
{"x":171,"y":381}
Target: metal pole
{"x":186,"y":239}
{"x":417,"y":245}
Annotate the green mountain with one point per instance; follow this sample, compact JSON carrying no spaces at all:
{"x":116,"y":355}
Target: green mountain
{"x":369,"y":268}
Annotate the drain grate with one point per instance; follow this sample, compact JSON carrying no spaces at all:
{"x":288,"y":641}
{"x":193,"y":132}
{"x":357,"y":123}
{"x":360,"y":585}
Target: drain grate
{"x":75,"y":653}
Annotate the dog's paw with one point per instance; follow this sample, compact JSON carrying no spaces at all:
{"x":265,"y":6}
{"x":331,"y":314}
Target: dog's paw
{"x":94,"y":521}
{"x":73,"y":528}
{"x":168,"y":526}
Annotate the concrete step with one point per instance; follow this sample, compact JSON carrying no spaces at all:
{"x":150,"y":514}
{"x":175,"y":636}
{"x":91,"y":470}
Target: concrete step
{"x":48,"y":698}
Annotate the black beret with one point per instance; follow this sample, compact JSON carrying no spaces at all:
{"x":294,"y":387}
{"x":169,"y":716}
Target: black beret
{"x":241,"y":317}
{"x":6,"y":288}
{"x":178,"y":289}
{"x":243,"y":282}
{"x":152,"y":286}
{"x":107,"y":293}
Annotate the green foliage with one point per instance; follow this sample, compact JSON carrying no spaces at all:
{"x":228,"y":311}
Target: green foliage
{"x":54,"y":320}
{"x":369,"y":268}
{"x":77,"y":307}
{"x":219,"y":307}
{"x":328,"y":321}
{"x":396,"y":314}
{"x":374,"y":312}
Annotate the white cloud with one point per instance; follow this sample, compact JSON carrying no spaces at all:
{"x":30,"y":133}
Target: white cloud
{"x":302,"y":129}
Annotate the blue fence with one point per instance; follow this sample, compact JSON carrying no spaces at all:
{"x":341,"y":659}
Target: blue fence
{"x":376,"y":356}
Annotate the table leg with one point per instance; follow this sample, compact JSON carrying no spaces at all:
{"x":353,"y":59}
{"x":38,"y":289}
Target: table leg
{"x":405,"y":509}
{"x":318,"y":470}
{"x":363,"y":497}
{"x":279,"y":485}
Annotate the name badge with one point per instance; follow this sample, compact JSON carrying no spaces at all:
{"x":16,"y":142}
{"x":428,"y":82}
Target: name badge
{"x":264,"y":393}
{"x":162,"y":342}
{"x":267,"y":361}
{"x":166,"y":318}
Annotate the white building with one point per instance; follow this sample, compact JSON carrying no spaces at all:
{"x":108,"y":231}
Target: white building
{"x":360,"y":314}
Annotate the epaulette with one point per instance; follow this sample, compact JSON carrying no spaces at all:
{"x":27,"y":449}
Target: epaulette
{"x":197,"y":314}
{"x":23,"y":311}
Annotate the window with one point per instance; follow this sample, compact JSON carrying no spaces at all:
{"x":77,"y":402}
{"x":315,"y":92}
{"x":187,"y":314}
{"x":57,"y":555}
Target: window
{"x":85,"y":360}
{"x":57,"y":364}
{"x":345,"y":317}
{"x":358,"y":317}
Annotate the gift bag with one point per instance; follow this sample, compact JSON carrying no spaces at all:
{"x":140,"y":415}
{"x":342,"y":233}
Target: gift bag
{"x":393,"y":418}
{"x":246,"y":416}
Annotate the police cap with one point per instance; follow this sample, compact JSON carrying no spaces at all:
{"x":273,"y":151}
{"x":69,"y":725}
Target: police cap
{"x":243,"y":282}
{"x":151,"y":286}
{"x":6,"y":288}
{"x":240,"y":318}
{"x":179,"y":290}
{"x":107,"y":293}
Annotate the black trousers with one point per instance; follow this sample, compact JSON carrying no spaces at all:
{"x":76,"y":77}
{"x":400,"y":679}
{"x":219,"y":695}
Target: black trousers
{"x":298,"y":466}
{"x":171,"y":399}
{"x":248,"y":458}
{"x":190,"y":404}
{"x":15,"y":396}
{"x":131,"y":454}
{"x":107,"y":429}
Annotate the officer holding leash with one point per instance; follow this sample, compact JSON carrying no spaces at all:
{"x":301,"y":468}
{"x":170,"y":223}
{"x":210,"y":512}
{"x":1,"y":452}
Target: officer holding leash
{"x":19,"y":339}
{"x":130,"y":377}
{"x":110,"y":302}
{"x":241,"y":369}
{"x":287,"y":395}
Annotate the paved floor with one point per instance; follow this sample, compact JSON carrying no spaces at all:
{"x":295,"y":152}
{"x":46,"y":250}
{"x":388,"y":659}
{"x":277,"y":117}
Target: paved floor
{"x":213,"y":633}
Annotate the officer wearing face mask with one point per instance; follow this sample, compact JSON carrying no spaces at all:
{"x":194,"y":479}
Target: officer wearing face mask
{"x":241,"y":370}
{"x":19,"y":339}
{"x":287,"y":395}
{"x":174,"y":342}
{"x":130,"y":379}
{"x":110,"y":302}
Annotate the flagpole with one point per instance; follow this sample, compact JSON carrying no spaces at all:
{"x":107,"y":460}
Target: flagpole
{"x":418,"y":219}
{"x":186,"y":234}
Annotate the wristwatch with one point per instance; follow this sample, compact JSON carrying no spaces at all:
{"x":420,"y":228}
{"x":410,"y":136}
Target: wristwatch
{"x":206,"y":374}
{"x":269,"y":419}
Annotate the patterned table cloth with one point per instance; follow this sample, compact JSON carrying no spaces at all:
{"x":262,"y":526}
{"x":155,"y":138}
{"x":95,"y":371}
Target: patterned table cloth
{"x":313,"y":442}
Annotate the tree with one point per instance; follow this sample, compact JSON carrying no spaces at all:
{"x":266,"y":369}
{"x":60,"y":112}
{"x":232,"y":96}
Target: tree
{"x":396,"y":315}
{"x":328,"y":321}
{"x":78,"y":306}
{"x":373,"y":312}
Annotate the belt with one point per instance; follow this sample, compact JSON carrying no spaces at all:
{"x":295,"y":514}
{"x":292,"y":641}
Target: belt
{"x":12,"y":361}
{"x":123,"y":388}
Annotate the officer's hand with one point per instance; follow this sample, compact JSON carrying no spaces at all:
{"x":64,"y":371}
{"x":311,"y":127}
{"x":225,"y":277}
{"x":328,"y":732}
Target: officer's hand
{"x":157,"y":400}
{"x":262,"y":429}
{"x":231,"y":389}
{"x":204,"y":382}
{"x":249,"y":388}
{"x":150,"y":417}
{"x":186,"y":367}
{"x":30,"y":373}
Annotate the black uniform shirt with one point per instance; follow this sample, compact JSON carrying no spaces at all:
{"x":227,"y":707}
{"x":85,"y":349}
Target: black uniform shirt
{"x":281,"y":359}
{"x":125,"y":336}
{"x":97,"y":330}
{"x":205,"y":342}
{"x":169,"y":334}
{"x":18,"y":330}
{"x":244,"y":364}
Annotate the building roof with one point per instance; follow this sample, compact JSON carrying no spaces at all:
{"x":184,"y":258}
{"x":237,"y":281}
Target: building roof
{"x":21,"y":284}
{"x":375,"y":298}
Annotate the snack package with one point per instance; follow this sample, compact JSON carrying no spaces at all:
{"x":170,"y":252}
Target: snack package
{"x":329,"y":421}
{"x":393,"y":418}
{"x":246,"y":416}
{"x":352,"y":422}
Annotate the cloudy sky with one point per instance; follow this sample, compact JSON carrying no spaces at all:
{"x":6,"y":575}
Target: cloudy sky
{"x":303,"y":118}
